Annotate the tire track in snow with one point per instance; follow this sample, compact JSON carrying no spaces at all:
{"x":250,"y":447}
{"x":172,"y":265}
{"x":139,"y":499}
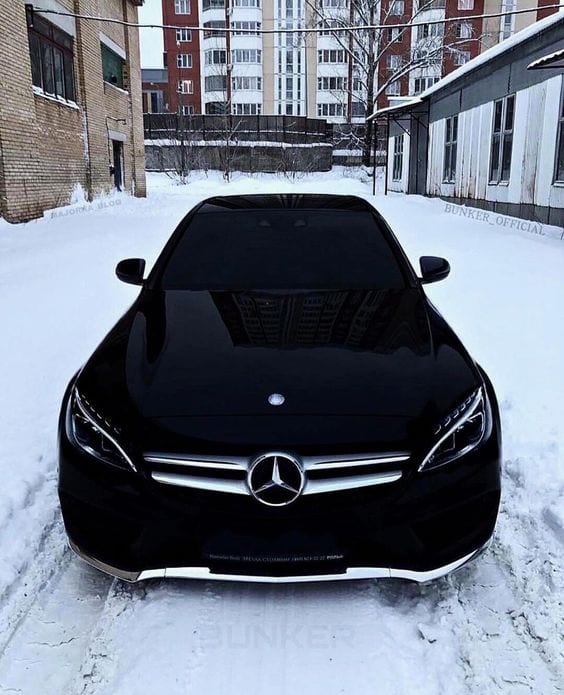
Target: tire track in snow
{"x":143,"y":616}
{"x":47,"y":647}
{"x":27,"y":574}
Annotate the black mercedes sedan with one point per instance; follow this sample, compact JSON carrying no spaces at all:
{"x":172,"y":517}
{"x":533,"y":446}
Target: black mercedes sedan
{"x":282,"y":402}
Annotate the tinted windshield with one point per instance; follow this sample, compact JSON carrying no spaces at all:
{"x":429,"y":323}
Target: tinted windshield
{"x":282,"y":249}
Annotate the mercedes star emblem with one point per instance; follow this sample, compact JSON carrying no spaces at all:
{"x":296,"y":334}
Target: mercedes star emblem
{"x":276,"y":399}
{"x":276,"y":479}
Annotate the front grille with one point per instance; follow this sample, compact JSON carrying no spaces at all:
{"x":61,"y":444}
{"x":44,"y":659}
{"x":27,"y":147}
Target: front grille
{"x":322,"y":473}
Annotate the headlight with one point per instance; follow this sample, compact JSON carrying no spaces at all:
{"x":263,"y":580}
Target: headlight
{"x":94,"y":434}
{"x":460,"y":432}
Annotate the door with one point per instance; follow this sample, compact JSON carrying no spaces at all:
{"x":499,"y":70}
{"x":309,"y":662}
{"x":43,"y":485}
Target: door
{"x":118,"y":164}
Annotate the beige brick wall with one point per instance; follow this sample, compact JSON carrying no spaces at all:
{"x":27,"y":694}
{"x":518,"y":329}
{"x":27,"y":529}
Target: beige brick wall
{"x":46,"y":147}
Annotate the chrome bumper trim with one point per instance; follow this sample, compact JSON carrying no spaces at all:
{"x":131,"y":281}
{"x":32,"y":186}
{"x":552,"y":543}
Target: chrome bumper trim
{"x":351,"y":573}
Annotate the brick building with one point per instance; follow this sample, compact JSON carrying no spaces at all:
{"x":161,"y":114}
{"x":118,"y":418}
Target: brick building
{"x":182,"y":56}
{"x":71,"y":114}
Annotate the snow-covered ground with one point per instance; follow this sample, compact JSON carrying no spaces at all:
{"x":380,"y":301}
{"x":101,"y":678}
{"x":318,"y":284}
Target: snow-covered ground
{"x":66,"y":629}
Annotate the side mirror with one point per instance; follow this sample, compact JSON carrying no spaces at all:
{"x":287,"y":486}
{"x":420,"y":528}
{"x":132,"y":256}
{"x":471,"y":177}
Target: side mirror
{"x":131,"y":270}
{"x":433,"y":269}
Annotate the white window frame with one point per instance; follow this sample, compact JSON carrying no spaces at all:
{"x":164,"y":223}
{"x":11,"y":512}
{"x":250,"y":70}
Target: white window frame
{"x":397,"y":158}
{"x":182,"y":7}
{"x":183,"y":35}
{"x":184,"y":60}
{"x":501,"y":136}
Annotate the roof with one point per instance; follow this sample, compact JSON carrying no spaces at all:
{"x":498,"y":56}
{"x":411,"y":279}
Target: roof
{"x":154,"y":75}
{"x":488,"y":55}
{"x":395,"y":107}
{"x":554,"y":60}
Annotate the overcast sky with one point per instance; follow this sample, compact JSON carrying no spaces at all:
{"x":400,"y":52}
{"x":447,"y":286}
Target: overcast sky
{"x":151,"y":39}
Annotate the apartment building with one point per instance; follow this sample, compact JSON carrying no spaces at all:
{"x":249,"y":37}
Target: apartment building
{"x":330,"y":73}
{"x":182,"y":56}
{"x":70,"y":115}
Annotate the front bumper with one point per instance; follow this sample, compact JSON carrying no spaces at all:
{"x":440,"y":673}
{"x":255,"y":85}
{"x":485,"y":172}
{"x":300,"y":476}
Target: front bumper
{"x":351,"y":573}
{"x":419,"y":528}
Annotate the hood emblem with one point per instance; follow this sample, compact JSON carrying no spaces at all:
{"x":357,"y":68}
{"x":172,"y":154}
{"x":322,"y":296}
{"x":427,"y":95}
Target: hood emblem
{"x":276,"y":479}
{"x":276,"y":399}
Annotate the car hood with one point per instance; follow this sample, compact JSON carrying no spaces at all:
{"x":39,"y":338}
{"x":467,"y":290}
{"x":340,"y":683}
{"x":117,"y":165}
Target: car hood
{"x":199,"y":354}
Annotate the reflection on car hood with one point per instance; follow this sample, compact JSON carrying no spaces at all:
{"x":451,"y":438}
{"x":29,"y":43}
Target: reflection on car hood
{"x":363,"y":352}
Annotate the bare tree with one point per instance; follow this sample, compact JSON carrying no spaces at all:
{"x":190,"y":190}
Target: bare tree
{"x":377,"y":58}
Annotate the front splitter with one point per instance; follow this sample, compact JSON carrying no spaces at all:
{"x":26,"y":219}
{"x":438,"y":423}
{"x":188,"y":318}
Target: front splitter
{"x":350,"y":573}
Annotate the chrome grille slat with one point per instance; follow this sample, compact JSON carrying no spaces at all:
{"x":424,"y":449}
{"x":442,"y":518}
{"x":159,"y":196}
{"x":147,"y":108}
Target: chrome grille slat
{"x":236,"y":487}
{"x":194,"y":473}
{"x":226,"y":465}
{"x":320,"y":463}
{"x":314,"y":487}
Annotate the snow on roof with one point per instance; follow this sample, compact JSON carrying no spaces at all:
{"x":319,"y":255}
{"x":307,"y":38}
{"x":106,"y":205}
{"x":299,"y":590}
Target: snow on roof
{"x":483,"y":58}
{"x":554,"y":60}
{"x":395,"y":107}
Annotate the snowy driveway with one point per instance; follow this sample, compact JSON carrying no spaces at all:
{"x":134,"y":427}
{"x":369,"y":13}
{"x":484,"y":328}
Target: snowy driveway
{"x":66,"y":629}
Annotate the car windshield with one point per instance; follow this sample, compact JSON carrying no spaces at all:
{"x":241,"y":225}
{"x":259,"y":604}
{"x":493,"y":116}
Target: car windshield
{"x":282,"y":249}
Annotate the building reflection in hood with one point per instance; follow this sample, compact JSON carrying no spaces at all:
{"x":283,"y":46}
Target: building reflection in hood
{"x":376,"y":320}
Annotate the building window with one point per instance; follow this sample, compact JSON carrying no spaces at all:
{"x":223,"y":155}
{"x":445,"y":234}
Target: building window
{"x":246,"y":109}
{"x":394,"y":88}
{"x":451,"y":136}
{"x":397,"y":7}
{"x":461,"y":57}
{"x":397,"y":159}
{"x":112,"y":66}
{"x":185,"y":86}
{"x":51,"y":54}
{"x":335,"y":110}
{"x":182,"y":6}
{"x":247,"y":83}
{"x":188,"y":110}
{"x":559,"y":166}
{"x":215,"y":83}
{"x":184,"y":60}
{"x":333,"y":4}
{"x":216,"y":108}
{"x":464,"y":30}
{"x":183,"y":35}
{"x":219,"y":24}
{"x":465,"y":4}
{"x":331,"y":28}
{"x":246,"y":55}
{"x":216,"y":57}
{"x":358,"y":109}
{"x":246,"y":3}
{"x":423,"y":83}
{"x":394,"y":62}
{"x":153,"y":102}
{"x":426,"y":31}
{"x":332,"y":84}
{"x":331,"y":56}
{"x":502,"y":139}
{"x":213,"y":4}
{"x":395,"y":35}
{"x":508,"y":20}
{"x":246,"y":28}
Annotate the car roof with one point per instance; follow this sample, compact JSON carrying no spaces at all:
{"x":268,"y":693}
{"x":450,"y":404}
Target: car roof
{"x":294,"y":201}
